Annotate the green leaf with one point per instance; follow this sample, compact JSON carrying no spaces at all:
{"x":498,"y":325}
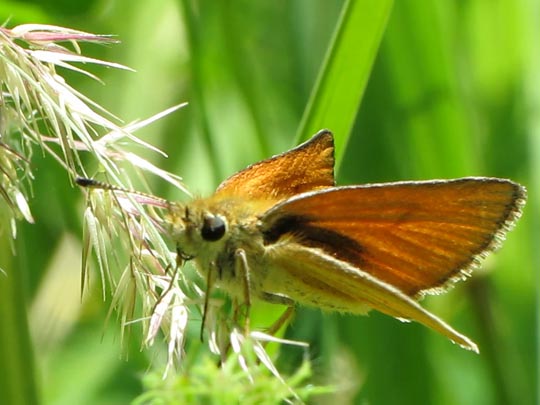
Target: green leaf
{"x":340,"y":86}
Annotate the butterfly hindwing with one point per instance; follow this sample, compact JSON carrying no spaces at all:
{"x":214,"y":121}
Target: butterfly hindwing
{"x":310,"y":277}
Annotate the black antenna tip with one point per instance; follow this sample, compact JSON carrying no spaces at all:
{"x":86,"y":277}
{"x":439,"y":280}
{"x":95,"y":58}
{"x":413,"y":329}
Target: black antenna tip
{"x":85,"y":182}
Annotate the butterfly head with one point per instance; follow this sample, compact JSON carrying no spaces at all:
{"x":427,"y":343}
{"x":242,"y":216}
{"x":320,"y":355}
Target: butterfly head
{"x":197,"y":230}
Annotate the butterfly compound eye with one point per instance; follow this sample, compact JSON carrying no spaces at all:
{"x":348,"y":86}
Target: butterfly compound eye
{"x":213,"y":228}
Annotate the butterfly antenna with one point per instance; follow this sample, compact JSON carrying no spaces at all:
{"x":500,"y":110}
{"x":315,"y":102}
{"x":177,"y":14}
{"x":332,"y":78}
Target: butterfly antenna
{"x":91,"y":183}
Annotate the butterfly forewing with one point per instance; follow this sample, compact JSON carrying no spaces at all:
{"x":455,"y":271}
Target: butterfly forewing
{"x":309,"y":166}
{"x":415,"y":236}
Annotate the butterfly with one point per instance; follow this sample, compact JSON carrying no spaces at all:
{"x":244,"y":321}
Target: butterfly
{"x":281,"y":231}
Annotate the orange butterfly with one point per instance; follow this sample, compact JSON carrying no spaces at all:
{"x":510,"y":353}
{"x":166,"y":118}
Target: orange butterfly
{"x":281,"y":231}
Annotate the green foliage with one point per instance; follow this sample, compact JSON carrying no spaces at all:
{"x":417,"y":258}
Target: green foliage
{"x":336,"y":96}
{"x":453,"y":92}
{"x":208,"y":383}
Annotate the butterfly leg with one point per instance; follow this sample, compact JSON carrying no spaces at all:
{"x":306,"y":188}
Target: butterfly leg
{"x":242,"y":269}
{"x":206,"y":300}
{"x":285,"y":316}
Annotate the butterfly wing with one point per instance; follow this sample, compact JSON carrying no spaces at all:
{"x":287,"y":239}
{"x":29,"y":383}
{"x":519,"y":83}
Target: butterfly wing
{"x":309,"y":166}
{"x":311,"y":277}
{"x":418,"y":237}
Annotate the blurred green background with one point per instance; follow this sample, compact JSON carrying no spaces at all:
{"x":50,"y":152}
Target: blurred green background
{"x":454,"y":91}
